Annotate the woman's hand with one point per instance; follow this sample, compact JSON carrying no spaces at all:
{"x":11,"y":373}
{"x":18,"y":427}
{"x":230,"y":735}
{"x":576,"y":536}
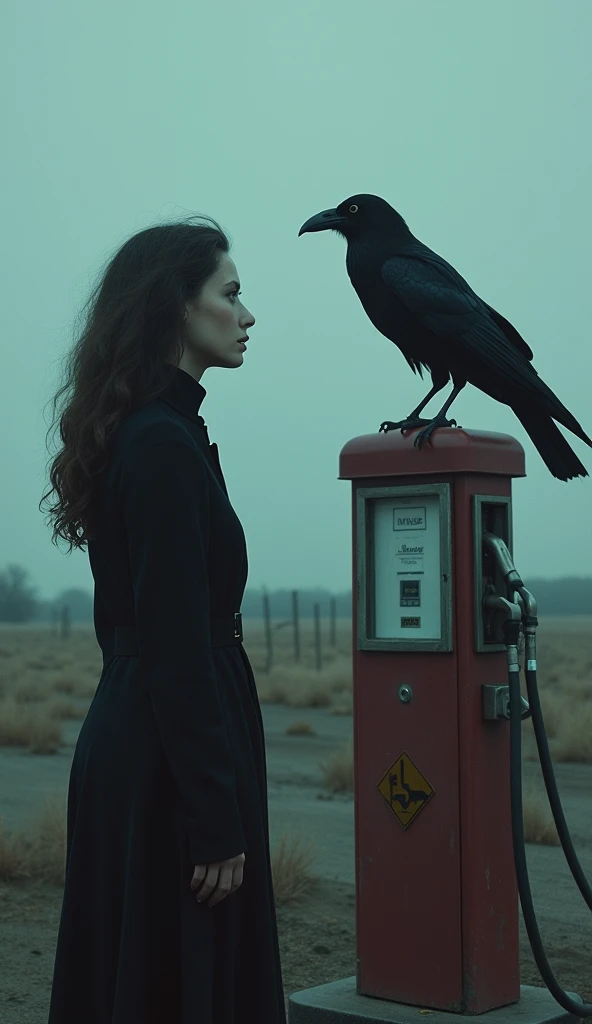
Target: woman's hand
{"x":218,"y":879}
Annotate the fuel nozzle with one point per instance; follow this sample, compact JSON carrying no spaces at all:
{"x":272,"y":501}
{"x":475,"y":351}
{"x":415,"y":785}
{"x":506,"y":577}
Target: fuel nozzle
{"x":511,"y":615}
{"x":498,"y":610}
{"x":503,"y":558}
{"x":518,"y":596}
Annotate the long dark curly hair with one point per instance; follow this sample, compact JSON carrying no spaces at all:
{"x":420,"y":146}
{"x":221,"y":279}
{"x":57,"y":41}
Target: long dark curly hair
{"x":124,"y":355}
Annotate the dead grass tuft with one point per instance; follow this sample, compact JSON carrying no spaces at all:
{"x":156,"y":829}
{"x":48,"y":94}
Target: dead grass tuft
{"x":24,"y":726}
{"x":291,"y":861}
{"x":537,"y":817}
{"x":39,"y":851}
{"x":338,"y":771}
{"x":342,"y":709}
{"x":574,"y":739}
{"x":300,"y":728}
{"x":61,"y":708}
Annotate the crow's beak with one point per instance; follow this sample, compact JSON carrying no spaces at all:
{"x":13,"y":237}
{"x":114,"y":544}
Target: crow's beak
{"x":323,"y":221}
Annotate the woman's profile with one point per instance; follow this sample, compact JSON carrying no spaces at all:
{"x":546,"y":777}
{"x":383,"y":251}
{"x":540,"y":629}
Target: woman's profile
{"x":168,"y":915}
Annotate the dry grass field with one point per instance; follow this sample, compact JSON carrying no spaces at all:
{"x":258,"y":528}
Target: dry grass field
{"x":46,"y":685}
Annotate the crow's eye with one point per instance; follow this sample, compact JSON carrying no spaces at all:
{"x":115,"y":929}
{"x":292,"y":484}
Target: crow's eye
{"x":353,"y":208}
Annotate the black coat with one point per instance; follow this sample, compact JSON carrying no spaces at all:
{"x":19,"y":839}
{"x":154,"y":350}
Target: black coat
{"x":169,"y":769}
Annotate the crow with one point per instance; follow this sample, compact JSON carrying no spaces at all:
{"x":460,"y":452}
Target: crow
{"x":419,"y":301}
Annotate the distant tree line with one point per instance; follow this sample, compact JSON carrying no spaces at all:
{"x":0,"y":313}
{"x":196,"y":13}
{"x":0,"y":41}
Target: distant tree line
{"x":570,"y":595}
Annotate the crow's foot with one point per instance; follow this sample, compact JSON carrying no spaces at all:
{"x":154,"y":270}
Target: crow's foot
{"x":408,"y":424}
{"x":424,"y":435}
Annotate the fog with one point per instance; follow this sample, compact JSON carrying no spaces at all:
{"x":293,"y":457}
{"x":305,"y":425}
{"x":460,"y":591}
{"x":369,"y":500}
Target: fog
{"x":472,"y":119}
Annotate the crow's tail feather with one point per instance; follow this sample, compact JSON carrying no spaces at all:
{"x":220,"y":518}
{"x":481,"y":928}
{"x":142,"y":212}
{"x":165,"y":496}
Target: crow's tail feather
{"x":551,"y":445}
{"x":557,"y":410}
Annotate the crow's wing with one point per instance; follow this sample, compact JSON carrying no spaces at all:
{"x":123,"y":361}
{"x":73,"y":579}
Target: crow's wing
{"x":422,"y":252}
{"x":510,"y":331}
{"x":445,"y":303}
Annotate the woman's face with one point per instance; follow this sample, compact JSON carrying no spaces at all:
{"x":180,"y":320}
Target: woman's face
{"x":215,"y":322}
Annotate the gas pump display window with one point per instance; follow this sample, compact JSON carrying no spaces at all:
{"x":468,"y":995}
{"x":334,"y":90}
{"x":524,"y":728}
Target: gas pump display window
{"x":405,"y":535}
{"x":410,"y":593}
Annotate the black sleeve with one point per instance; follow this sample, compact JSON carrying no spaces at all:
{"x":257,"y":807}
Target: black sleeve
{"x":165,"y":502}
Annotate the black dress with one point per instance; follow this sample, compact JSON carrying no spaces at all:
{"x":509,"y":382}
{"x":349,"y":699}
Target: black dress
{"x":169,"y":769}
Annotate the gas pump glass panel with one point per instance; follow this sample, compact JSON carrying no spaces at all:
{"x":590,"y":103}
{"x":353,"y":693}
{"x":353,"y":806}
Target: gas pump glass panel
{"x":404,"y":568}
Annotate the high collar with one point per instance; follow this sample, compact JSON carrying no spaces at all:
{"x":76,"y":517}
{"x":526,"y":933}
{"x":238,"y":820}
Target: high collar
{"x":185,"y":394}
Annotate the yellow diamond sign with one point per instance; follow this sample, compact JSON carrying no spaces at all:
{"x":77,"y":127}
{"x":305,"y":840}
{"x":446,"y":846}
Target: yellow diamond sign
{"x":405,"y":789}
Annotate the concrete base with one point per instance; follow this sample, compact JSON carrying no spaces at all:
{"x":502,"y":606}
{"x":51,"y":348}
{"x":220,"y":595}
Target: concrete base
{"x":339,"y":1003}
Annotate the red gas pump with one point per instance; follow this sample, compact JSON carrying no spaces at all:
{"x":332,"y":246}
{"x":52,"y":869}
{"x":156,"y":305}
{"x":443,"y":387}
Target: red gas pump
{"x":436,"y":892}
{"x":437,"y":905}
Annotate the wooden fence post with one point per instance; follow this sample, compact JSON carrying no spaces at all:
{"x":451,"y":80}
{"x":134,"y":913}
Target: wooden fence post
{"x":318,"y":653}
{"x":65,"y":626}
{"x":267,"y":619}
{"x":295,"y":620}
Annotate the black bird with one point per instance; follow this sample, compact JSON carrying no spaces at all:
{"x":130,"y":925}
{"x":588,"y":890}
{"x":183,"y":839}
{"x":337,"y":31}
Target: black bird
{"x":418,"y":301}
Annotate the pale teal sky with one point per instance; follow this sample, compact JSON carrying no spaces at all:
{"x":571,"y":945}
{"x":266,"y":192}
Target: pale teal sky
{"x":471,"y":118}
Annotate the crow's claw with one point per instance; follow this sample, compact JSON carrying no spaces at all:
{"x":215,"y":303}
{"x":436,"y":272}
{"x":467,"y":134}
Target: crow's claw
{"x":425,"y":435}
{"x":402,"y":425}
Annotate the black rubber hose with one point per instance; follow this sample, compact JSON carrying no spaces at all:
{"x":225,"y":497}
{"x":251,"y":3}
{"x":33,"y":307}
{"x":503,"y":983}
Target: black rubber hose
{"x":551,"y":787}
{"x":580,"y":1009}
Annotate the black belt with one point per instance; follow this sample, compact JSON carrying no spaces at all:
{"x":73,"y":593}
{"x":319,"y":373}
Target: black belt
{"x":223,"y":633}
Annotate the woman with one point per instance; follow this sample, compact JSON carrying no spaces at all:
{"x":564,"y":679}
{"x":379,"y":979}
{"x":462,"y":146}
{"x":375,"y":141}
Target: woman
{"x":168,"y":914}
